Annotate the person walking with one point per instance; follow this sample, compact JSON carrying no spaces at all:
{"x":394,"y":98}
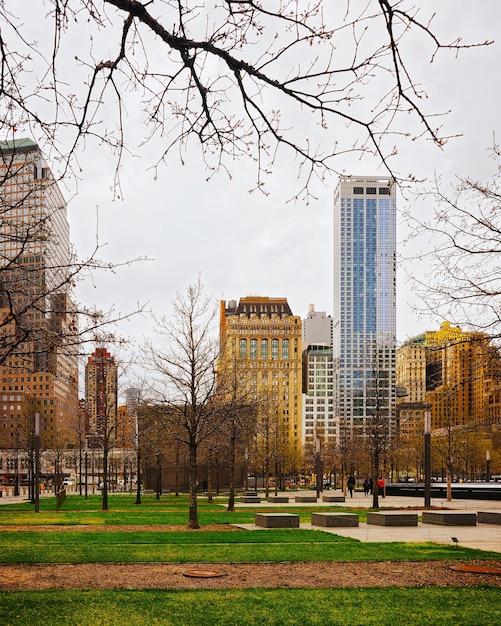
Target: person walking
{"x":366,"y":487}
{"x":351,"y":485}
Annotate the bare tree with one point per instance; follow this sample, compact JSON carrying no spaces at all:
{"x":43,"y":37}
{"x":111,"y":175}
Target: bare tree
{"x":463,"y":233}
{"x":183,"y":366}
{"x":380,"y":426}
{"x":230,"y":74}
{"x":238,"y":413}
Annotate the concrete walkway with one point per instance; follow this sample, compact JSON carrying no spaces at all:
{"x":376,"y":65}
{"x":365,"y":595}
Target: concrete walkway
{"x":480,"y":537}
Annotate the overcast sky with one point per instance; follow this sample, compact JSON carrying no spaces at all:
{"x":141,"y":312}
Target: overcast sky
{"x":245,"y":243}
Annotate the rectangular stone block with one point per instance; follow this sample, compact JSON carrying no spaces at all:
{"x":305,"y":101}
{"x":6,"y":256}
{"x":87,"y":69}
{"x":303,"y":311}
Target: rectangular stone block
{"x":278,"y":499}
{"x":392,"y":518}
{"x":250,"y":499}
{"x":449,"y":518}
{"x":277,"y":520}
{"x":489,"y":517}
{"x":334,"y":520}
{"x":333,"y":499}
{"x":305,"y":498}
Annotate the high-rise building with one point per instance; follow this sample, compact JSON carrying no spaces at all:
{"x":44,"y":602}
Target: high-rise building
{"x":317,"y":328}
{"x":454,"y":374}
{"x":263,"y":337}
{"x":364,"y":313}
{"x":38,"y":351}
{"x":318,"y":414}
{"x":101,"y":393}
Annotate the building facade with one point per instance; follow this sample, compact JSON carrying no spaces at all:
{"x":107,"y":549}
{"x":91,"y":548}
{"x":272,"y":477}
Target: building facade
{"x":38,"y":327}
{"x":318,"y":414}
{"x":101,"y":395}
{"x":454,"y":374}
{"x":263,"y":337}
{"x":317,"y":328}
{"x":364,"y":310}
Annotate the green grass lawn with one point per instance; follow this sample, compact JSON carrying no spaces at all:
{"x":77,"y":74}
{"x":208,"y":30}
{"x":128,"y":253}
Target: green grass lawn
{"x":281,"y":607}
{"x":254,"y":607}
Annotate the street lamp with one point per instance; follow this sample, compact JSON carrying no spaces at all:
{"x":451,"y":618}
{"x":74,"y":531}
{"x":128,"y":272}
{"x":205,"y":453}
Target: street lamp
{"x":318,"y":468}
{"x":487,"y":465}
{"x":37,"y":462}
{"x":427,"y":458}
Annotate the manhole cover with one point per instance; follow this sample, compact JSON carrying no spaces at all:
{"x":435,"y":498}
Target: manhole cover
{"x":202,"y":573}
{"x":477,"y":569}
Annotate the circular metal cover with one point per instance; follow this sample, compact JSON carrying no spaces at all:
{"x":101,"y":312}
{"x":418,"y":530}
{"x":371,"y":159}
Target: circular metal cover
{"x":202,"y":573}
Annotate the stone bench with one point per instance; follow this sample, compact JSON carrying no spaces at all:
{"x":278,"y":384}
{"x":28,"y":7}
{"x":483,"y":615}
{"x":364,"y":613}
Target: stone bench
{"x":489,"y":517}
{"x":334,"y":520}
{"x":305,"y":498}
{"x":392,"y":518}
{"x":449,"y":518}
{"x":278,"y":499}
{"x":333,"y":499}
{"x":250,"y":499}
{"x":277,"y":520}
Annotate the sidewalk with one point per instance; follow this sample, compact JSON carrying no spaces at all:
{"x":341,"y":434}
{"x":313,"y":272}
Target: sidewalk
{"x":479,"y":537}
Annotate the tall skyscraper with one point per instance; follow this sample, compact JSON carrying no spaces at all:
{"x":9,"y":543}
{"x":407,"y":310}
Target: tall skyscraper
{"x":263,"y":337}
{"x":101,"y":392}
{"x":364,"y":318}
{"x":38,"y":353}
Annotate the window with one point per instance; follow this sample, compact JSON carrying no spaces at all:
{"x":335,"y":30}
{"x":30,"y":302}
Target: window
{"x":243,"y":348}
{"x":253,"y":349}
{"x":358,"y":190}
{"x":285,"y":349}
{"x":274,"y":349}
{"x":370,"y":191}
{"x":264,"y":349}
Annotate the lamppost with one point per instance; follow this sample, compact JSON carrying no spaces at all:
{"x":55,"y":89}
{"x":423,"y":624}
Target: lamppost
{"x":86,"y":461}
{"x":37,"y":462}
{"x":487,"y":465}
{"x":318,"y":467}
{"x":427,"y":458}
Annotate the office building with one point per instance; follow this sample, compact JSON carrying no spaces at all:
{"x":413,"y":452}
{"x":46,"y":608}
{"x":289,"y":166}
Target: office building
{"x":101,"y":394}
{"x":452,"y":373}
{"x":263,"y":337}
{"x":364,"y":316}
{"x":38,"y":327}
{"x":317,"y":328}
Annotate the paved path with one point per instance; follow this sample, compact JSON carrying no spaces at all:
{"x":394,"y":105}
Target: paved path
{"x":480,"y":537}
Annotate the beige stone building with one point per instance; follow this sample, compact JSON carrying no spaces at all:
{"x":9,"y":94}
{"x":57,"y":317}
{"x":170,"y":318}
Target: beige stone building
{"x":263,"y":337}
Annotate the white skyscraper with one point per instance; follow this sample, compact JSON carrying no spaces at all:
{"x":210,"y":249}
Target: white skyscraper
{"x":364,"y":318}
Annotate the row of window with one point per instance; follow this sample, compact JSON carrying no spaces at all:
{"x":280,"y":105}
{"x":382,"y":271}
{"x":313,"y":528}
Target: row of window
{"x":251,"y":348}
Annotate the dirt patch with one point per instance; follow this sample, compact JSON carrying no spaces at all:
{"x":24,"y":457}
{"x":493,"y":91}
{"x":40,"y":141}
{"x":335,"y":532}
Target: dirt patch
{"x":234,"y":575}
{"x":244,"y":575}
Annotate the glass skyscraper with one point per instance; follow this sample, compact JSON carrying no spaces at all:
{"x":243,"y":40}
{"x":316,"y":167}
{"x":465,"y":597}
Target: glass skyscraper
{"x":364,"y":318}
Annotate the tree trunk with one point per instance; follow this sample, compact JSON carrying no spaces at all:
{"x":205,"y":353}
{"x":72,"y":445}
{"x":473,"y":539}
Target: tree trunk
{"x":210,"y":498}
{"x":193,"y":513}
{"x":231,"y":470}
{"x":105,"y":478}
{"x":375,"y":477}
{"x":449,"y":486}
{"x":138,"y":478}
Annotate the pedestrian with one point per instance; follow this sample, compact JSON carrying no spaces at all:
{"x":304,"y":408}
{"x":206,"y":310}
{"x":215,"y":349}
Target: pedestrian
{"x":351,"y":485}
{"x":380,"y":486}
{"x":366,"y":487}
{"x":371,"y":485}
